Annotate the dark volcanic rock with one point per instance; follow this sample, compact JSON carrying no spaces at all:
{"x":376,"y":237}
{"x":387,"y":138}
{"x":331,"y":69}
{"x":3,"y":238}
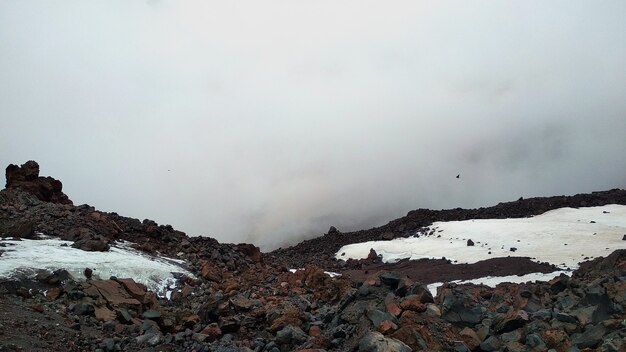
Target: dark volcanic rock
{"x":460,"y":307}
{"x":377,"y":342}
{"x":243,"y":300}
{"x":26,"y":177}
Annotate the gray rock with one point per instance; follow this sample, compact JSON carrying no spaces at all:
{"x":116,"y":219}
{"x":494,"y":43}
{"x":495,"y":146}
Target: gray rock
{"x":590,"y":338}
{"x":460,"y":307}
{"x":123,"y":316}
{"x":391,"y":279}
{"x":109,"y":344}
{"x":535,"y":341}
{"x":376,"y":342}
{"x":151,"y":314}
{"x":83,"y":309}
{"x":422,"y":291}
{"x":291,"y":335}
{"x":377,"y":317}
{"x":151,"y":339}
{"x":512,"y":336}
{"x":585,"y":315}
{"x":566,"y":318}
{"x":490,"y":344}
{"x":432,"y":310}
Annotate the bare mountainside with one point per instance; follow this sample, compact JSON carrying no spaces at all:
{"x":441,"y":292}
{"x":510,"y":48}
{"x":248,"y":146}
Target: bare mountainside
{"x":210,"y":296}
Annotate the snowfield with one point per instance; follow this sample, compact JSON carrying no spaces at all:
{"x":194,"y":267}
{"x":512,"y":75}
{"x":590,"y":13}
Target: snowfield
{"x":26,"y":257}
{"x":563,"y":237}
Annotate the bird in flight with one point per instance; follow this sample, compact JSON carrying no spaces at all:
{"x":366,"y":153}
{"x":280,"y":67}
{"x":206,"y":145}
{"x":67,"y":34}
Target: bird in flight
{"x":458,"y":176}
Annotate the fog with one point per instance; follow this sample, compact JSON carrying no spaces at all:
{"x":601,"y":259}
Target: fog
{"x":269,"y":121}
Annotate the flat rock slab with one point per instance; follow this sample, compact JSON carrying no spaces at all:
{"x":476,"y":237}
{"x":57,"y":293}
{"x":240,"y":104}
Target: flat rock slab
{"x":114,"y":293}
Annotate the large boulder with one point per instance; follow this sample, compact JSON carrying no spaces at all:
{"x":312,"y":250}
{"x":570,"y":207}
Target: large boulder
{"x":26,"y":177}
{"x":460,"y":307}
{"x":377,"y":342}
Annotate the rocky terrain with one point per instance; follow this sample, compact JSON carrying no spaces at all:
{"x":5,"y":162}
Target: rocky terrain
{"x":243,"y":300}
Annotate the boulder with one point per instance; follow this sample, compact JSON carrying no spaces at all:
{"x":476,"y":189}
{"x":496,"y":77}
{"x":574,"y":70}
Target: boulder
{"x":26,"y":177}
{"x":291,"y":335}
{"x":377,"y":342}
{"x":590,"y":338}
{"x":459,"y":307}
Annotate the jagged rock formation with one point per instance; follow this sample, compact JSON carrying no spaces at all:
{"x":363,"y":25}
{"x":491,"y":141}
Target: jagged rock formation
{"x":26,"y":177}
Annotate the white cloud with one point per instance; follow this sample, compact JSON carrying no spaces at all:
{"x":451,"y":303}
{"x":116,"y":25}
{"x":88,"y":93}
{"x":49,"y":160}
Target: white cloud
{"x":278,"y":119}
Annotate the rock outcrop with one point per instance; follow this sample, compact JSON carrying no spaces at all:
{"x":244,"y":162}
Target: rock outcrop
{"x":26,"y":177}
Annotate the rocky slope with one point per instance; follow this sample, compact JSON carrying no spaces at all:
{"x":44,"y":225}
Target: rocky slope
{"x":244,"y":300}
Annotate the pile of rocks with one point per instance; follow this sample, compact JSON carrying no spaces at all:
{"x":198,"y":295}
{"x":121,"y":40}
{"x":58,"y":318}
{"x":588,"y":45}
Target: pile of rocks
{"x":266,"y":308}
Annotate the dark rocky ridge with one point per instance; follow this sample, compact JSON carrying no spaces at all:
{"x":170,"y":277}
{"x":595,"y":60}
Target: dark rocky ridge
{"x":26,"y":177}
{"x":323,"y":248}
{"x":243,"y":300}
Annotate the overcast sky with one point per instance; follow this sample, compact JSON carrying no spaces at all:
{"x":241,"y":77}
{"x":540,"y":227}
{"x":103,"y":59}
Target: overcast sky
{"x":269,"y":121}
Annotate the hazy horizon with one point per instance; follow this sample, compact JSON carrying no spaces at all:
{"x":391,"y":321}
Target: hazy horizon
{"x":269,"y":122}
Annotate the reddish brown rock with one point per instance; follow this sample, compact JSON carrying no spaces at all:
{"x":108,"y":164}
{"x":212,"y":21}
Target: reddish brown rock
{"x":26,"y":177}
{"x":413,"y":303}
{"x":251,"y":251}
{"x":213,"y":331}
{"x":315,"y":331}
{"x":470,"y":338}
{"x":115,"y":294}
{"x":387,"y":327}
{"x":54,"y":293}
{"x":210,"y":272}
{"x":186,"y":291}
{"x":136,"y":290}
{"x":554,"y":338}
{"x":191,"y":320}
{"x":104,"y":314}
{"x":291,"y":316}
{"x":393,"y":309}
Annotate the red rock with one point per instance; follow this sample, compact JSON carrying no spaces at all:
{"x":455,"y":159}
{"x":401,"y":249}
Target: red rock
{"x":88,"y":273}
{"x":26,"y":177}
{"x":210,"y":272}
{"x":38,"y":308}
{"x":186,"y":291}
{"x":213,"y":331}
{"x":136,"y":290}
{"x":105,"y":314}
{"x":413,"y":303}
{"x":115,"y":294}
{"x":54,"y":293}
{"x":191,"y":320}
{"x":470,"y":338}
{"x":291,"y":316}
{"x":251,"y":251}
{"x":315,"y":331}
{"x":393,"y":309}
{"x":553,"y":338}
{"x":387,"y":327}
{"x":119,"y":328}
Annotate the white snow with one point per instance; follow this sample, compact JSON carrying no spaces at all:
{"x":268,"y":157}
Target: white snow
{"x":329,"y":273}
{"x":26,"y":257}
{"x":563,"y":237}
{"x":493,"y":281}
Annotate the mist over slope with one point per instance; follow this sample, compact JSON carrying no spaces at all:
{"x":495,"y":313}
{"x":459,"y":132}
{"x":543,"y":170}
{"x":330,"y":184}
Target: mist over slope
{"x":269,"y":122}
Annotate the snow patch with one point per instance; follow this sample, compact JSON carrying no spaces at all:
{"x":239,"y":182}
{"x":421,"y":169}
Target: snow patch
{"x":563,"y":237}
{"x":26,"y":257}
{"x":329,"y":273}
{"x":493,"y":281}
